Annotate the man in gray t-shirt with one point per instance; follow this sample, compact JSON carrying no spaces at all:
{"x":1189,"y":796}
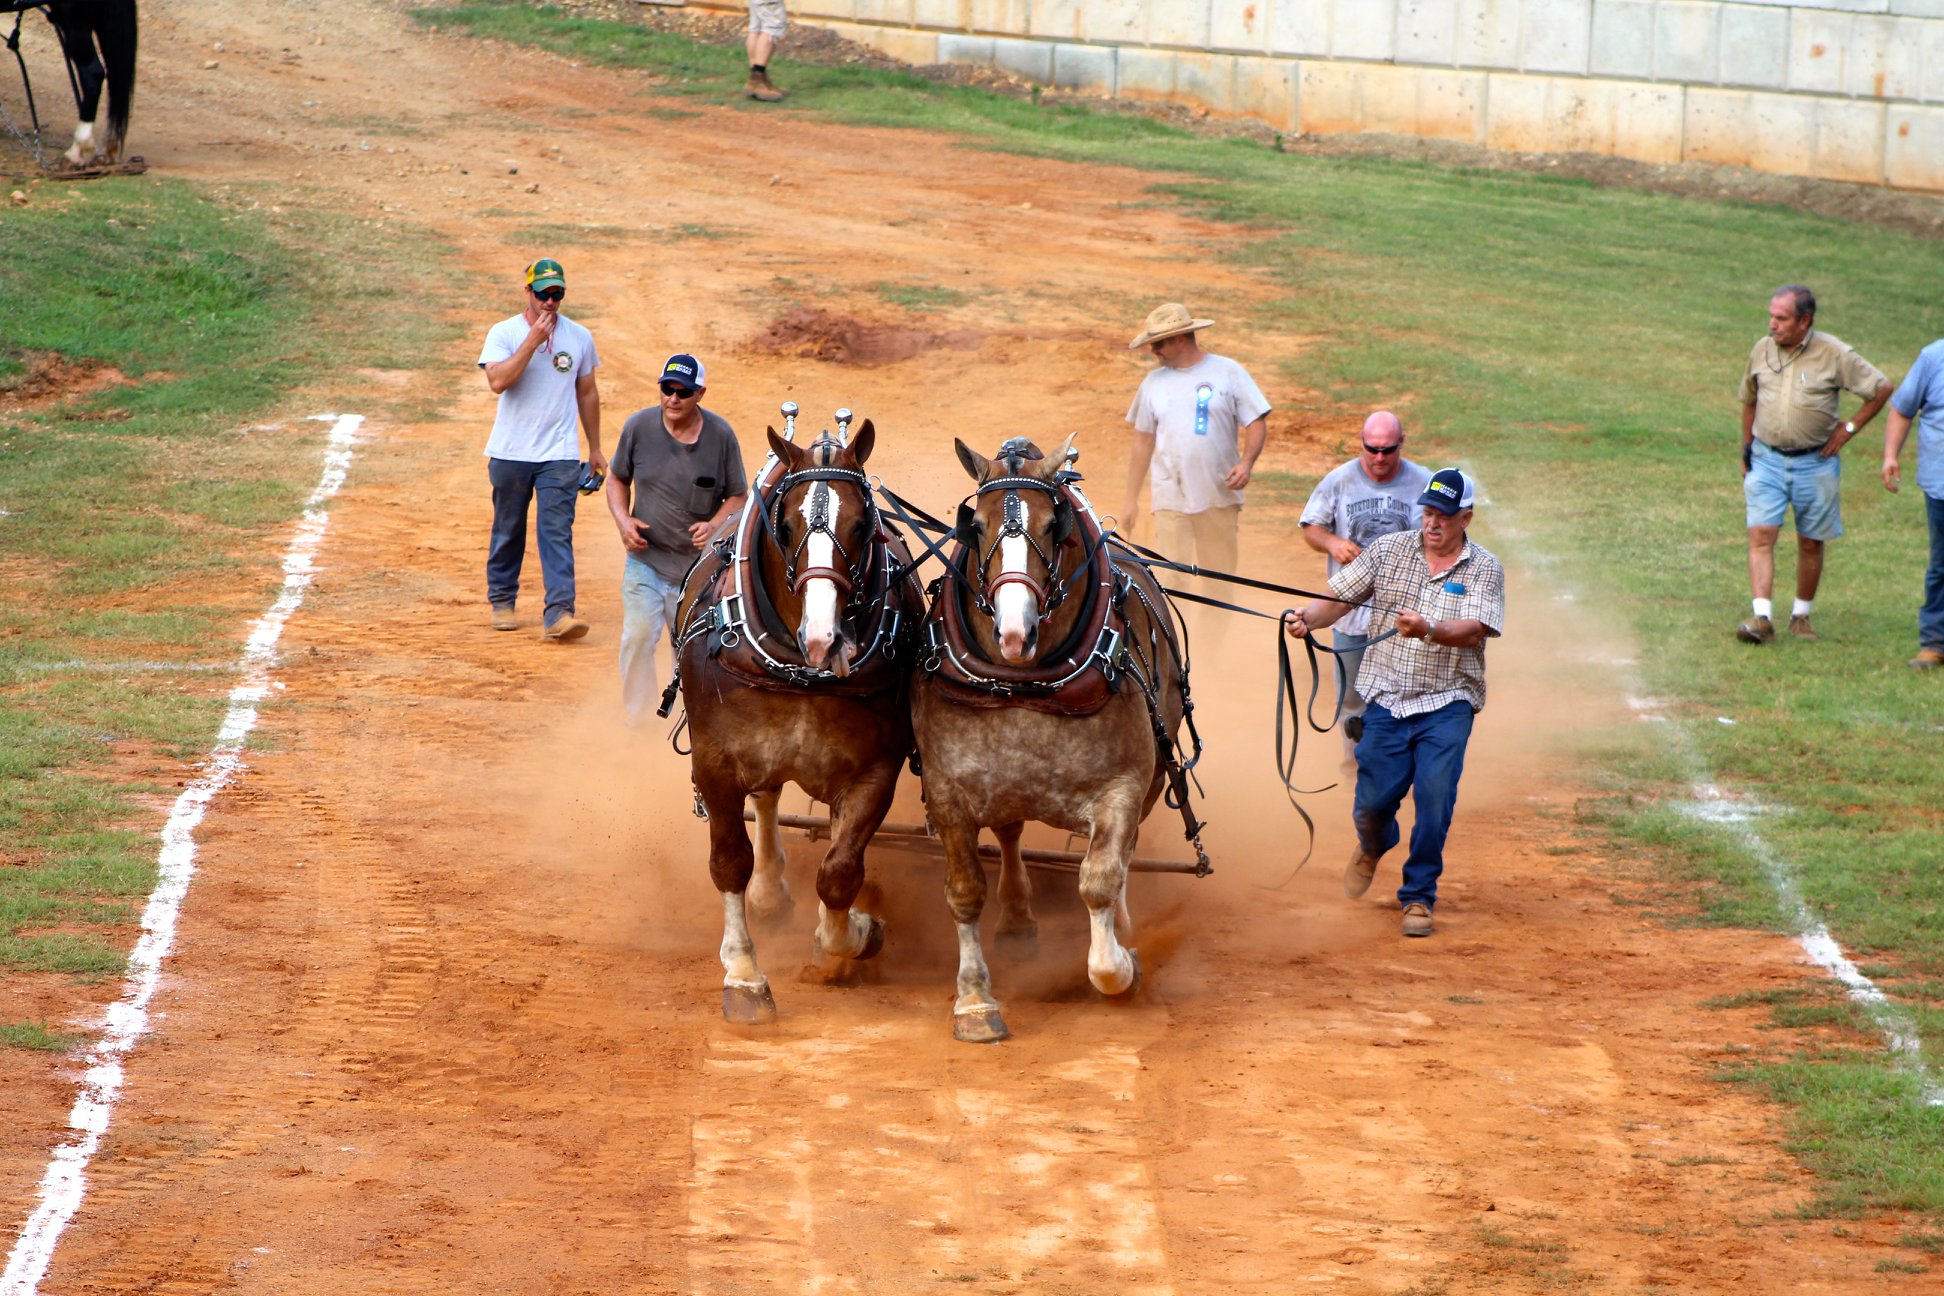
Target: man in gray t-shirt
{"x":1373,"y":495}
{"x":676,"y":473}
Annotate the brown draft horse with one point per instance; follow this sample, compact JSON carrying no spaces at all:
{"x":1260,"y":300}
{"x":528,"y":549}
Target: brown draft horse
{"x":794,"y":657}
{"x":1052,"y":687}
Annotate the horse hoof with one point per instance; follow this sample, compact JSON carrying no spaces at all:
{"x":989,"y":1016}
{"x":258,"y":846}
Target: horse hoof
{"x":1018,"y":944}
{"x":748,"y":1005}
{"x":1134,"y":985}
{"x":979,"y":1026}
{"x":873,"y":940}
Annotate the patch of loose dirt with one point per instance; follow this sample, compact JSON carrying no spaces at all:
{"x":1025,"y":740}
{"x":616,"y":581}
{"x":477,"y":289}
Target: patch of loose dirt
{"x":813,"y":334}
{"x":444,"y":1012}
{"x":52,"y":379}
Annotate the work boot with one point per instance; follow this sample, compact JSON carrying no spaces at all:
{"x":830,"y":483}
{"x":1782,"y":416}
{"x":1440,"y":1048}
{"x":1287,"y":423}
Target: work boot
{"x":1756,"y":630}
{"x":503,"y":618}
{"x":1927,"y":659}
{"x":1358,"y":872}
{"x":566,"y":628}
{"x":759,"y":87}
{"x":1799,"y":627}
{"x":1417,"y":919}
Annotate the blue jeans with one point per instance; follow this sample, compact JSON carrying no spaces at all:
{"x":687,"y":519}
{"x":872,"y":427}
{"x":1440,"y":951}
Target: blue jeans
{"x":1422,"y":755}
{"x":1349,"y":660}
{"x":1930,"y":621}
{"x":648,"y":605}
{"x":515,"y":485}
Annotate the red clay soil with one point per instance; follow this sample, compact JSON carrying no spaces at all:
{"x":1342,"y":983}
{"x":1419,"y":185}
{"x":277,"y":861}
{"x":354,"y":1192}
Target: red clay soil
{"x":443,"y":1016}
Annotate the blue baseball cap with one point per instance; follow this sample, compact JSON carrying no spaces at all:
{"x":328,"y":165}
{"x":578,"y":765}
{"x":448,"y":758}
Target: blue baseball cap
{"x":684,"y":369}
{"x":1449,"y":491}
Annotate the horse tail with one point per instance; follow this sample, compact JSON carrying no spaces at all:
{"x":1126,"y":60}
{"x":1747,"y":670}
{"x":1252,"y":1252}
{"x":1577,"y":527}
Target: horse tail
{"x":116,"y":29}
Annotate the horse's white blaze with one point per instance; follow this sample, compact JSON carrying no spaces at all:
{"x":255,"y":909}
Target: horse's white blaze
{"x":1109,"y":966}
{"x":1013,"y":606}
{"x":738,"y":951}
{"x":842,"y":934}
{"x":820,"y":595}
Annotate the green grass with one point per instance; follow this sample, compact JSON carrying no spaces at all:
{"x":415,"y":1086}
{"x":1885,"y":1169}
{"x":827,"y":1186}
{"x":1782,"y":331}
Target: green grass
{"x":920,"y":297}
{"x":35,"y":1036}
{"x":140,"y":522}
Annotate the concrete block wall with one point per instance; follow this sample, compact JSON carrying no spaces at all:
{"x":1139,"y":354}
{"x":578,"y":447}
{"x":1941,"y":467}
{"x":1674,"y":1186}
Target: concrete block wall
{"x":1840,"y":89}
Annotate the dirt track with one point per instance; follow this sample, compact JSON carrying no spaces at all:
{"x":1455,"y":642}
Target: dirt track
{"x":444,"y":1012}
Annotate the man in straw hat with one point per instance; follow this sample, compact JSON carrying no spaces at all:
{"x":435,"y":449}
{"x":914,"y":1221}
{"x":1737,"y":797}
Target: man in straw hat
{"x":1199,"y":421}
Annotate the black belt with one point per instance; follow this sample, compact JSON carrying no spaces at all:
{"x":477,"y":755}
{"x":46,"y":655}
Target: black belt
{"x":1814,"y":449}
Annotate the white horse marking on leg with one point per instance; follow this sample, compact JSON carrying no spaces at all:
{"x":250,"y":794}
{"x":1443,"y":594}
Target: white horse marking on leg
{"x":738,"y":950}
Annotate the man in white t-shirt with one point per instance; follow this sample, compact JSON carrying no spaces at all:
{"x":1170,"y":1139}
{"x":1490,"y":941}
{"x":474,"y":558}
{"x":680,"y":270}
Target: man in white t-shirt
{"x":1373,"y":495}
{"x":541,"y":365}
{"x":1199,"y":423}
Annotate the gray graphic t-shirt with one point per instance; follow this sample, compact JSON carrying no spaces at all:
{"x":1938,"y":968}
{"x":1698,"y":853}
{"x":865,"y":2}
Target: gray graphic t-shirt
{"x":1351,"y":505}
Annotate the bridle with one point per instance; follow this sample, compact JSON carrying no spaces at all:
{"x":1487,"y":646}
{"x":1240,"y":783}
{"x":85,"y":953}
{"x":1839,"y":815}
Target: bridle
{"x":850,"y":578}
{"x":1047,"y":594}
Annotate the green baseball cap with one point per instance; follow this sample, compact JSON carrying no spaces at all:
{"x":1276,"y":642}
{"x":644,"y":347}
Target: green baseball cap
{"x":545,"y":273}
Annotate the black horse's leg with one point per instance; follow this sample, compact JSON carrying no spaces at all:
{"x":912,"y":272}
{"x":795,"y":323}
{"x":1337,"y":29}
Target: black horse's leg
{"x":115,"y":30}
{"x":73,"y":24}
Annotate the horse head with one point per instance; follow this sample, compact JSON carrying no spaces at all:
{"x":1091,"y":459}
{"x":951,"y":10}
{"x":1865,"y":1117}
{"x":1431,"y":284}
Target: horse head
{"x":824,"y":522}
{"x":1019,"y":533}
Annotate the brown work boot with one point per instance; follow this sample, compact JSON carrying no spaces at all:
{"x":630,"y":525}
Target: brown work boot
{"x":566,"y":628}
{"x":1756,"y":630}
{"x":1358,"y":872}
{"x":1927,"y":659}
{"x":758,"y":87}
{"x":1799,"y":627}
{"x":1417,"y":919}
{"x":503,"y":618}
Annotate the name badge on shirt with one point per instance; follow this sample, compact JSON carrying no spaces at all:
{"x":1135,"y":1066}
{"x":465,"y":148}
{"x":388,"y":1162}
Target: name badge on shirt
{"x":1454,"y":587}
{"x":563,"y":362}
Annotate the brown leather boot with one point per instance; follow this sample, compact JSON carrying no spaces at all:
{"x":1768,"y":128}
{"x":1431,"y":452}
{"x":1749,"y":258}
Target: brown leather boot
{"x":758,"y":87}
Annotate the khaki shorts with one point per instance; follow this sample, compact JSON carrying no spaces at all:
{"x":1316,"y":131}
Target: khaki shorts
{"x":766,"y":19}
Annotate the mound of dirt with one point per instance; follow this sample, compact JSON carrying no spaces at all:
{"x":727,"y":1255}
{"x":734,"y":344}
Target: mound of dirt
{"x":838,"y":339}
{"x":51,"y":378}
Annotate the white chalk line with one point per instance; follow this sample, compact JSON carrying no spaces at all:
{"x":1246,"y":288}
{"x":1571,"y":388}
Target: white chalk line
{"x":64,"y":1185}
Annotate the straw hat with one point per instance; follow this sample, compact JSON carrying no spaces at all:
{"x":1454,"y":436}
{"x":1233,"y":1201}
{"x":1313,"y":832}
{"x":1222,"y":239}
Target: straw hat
{"x":1165,"y":321}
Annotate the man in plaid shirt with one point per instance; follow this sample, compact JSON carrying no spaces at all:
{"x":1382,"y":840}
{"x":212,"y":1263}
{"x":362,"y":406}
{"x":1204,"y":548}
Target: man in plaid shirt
{"x":1446,"y":597}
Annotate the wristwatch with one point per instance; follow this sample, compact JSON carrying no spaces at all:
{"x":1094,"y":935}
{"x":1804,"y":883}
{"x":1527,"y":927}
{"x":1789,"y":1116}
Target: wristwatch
{"x":1849,"y":427}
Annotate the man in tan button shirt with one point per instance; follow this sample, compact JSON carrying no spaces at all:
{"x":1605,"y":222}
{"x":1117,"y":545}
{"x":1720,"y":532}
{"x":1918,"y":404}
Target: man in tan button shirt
{"x":1790,"y":439}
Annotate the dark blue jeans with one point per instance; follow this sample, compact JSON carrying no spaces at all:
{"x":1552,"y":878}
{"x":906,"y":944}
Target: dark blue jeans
{"x":1422,"y":755}
{"x":1930,"y":621}
{"x":556,"y":483}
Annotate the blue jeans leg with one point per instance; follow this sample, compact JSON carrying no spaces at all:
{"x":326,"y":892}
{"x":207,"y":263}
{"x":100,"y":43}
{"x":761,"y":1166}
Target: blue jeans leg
{"x":648,"y":606}
{"x":556,"y":486}
{"x":1383,"y":777}
{"x":1930,"y":621}
{"x":512,"y":494}
{"x":1437,"y":759}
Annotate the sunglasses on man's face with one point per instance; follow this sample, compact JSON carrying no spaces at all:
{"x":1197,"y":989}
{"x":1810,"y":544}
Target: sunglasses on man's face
{"x":671,"y":389}
{"x":1381,"y":450}
{"x":551,"y":294}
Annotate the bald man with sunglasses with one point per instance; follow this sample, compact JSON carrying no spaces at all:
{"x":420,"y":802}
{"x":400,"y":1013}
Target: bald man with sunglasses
{"x":1373,"y":495}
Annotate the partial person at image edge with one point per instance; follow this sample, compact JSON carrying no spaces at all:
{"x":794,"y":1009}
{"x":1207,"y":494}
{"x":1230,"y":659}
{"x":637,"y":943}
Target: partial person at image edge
{"x":1790,"y":439}
{"x":1446,"y":596}
{"x":767,"y":25}
{"x":533,"y":452}
{"x":1920,"y":397}
{"x":676,"y":475}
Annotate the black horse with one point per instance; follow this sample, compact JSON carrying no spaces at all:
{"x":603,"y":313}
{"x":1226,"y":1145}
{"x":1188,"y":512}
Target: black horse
{"x":98,"y":42}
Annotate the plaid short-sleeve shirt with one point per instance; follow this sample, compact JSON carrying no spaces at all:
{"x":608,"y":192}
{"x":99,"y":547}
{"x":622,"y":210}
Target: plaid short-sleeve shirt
{"x":1412,"y":676}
